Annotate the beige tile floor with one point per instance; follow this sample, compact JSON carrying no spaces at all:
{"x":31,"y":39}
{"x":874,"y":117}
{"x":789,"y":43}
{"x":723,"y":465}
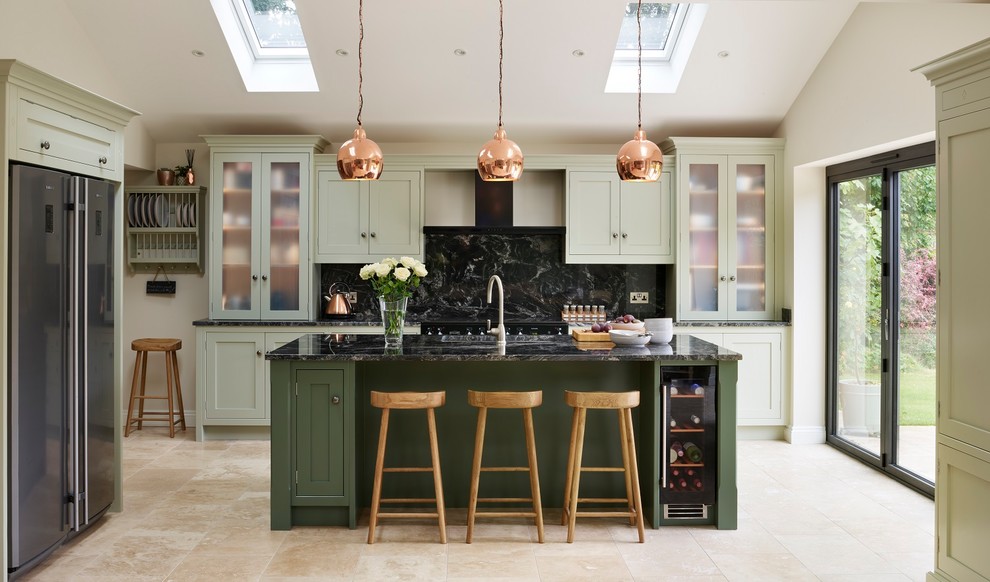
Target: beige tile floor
{"x":199,"y":512}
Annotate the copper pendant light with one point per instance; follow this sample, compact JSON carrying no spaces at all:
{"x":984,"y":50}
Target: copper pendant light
{"x":639,"y":159}
{"x":500,"y":159}
{"x":359,"y":158}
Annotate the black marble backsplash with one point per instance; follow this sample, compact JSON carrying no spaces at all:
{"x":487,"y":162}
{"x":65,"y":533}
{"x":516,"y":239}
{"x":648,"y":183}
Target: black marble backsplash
{"x":537,"y":282}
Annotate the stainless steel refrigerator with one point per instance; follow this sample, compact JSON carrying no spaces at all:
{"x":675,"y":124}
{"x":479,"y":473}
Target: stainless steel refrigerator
{"x":61,"y":424}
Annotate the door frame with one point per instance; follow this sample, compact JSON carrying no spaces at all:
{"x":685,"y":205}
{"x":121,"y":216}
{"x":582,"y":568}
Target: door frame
{"x":886,"y":165}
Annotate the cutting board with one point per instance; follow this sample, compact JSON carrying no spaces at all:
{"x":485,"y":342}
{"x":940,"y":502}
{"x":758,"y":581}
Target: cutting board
{"x":584,"y":335}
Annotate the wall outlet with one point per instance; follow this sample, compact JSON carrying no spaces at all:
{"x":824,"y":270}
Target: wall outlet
{"x":351,"y":297}
{"x":639,"y":297}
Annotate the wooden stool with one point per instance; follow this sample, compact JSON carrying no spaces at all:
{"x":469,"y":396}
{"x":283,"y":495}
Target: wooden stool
{"x":525,"y":401}
{"x":407,"y":401}
{"x":173,"y":417}
{"x":623,"y":403}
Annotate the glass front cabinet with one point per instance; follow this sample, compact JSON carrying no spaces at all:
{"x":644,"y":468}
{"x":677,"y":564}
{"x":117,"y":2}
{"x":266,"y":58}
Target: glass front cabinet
{"x":727,"y":248}
{"x":260,"y":265}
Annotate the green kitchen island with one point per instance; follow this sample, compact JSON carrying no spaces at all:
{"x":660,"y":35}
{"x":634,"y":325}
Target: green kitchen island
{"x":324,"y":431}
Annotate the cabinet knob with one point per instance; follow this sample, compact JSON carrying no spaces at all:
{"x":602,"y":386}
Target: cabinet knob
{"x":722,"y":278}
{"x":264,"y":277}
{"x":615,"y":235}
{"x":45,"y":145}
{"x":255,"y":278}
{"x":335,"y":400}
{"x":364,"y":235}
{"x":258,"y":352}
{"x":732,"y":278}
{"x":373,"y":235}
{"x":624,"y":235}
{"x":103,"y":159}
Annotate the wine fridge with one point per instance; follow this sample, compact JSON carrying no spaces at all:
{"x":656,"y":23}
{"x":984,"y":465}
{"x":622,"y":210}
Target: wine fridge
{"x":688,"y":451}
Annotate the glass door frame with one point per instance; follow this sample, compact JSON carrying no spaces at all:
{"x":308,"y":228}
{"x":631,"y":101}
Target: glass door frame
{"x":887,"y":165}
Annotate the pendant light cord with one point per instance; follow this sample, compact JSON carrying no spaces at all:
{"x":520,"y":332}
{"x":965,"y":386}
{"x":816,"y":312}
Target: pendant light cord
{"x":639,"y":66}
{"x":360,"y":60}
{"x":501,"y":32}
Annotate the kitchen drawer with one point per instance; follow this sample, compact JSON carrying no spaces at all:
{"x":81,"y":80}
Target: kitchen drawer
{"x":56,"y":139}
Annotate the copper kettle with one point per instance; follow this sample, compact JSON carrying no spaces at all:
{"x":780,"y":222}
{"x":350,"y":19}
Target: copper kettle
{"x":337,"y":303}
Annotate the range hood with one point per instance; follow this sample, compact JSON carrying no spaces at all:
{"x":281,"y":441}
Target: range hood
{"x":493,"y":213}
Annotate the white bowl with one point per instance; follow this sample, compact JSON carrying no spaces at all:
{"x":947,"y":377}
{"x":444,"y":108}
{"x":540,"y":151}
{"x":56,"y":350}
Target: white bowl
{"x":659,"y":322}
{"x":638,"y":326}
{"x":622,"y":337}
{"x":662,"y":336}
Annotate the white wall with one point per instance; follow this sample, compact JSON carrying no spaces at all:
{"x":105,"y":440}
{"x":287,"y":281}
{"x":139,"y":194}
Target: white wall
{"x":861,"y":99}
{"x":167,"y":315}
{"x":38,"y":32}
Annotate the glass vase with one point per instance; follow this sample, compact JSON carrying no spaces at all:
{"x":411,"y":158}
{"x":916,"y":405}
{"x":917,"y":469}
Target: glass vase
{"x":393,"y":319}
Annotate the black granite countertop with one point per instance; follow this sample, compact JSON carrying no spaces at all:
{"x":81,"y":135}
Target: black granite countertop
{"x":748,"y":323}
{"x":341,"y":347}
{"x":352,"y":322}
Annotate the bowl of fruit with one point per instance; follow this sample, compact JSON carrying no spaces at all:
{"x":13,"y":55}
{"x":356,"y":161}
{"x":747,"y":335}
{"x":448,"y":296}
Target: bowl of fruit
{"x":627,"y":322}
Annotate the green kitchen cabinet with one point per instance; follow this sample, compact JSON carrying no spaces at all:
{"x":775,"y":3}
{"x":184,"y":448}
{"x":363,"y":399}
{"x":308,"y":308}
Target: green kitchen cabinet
{"x":610,"y":221}
{"x":727,"y":222}
{"x":364,"y":221}
{"x":313,"y":446}
{"x":259,"y":226}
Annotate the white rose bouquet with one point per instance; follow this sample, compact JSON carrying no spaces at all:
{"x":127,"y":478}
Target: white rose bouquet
{"x":393,"y":280}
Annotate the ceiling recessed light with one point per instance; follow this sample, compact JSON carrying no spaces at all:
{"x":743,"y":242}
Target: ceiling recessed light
{"x":198,"y":53}
{"x":342,"y":52}
{"x":460,"y":52}
{"x":577,"y":52}
{"x":723,"y":54}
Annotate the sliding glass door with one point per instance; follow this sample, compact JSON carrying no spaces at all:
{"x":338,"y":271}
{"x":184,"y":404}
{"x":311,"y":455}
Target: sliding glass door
{"x":881,"y":397}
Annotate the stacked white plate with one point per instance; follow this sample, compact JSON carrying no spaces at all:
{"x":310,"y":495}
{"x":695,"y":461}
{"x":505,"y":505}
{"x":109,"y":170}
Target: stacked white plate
{"x":147,"y":211}
{"x":662,"y":329}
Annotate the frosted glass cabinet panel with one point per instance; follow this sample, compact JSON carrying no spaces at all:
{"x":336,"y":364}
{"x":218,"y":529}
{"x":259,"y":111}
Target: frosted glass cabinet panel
{"x":284,"y":236}
{"x":237,"y":201}
{"x":704,"y":260}
{"x":750,"y":253}
{"x":726,"y":230}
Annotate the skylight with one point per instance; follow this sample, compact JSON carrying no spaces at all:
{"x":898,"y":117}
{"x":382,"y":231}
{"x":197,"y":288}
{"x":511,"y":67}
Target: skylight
{"x":661,"y":27}
{"x":669,"y":32}
{"x":267,"y":43}
{"x":272,"y":27}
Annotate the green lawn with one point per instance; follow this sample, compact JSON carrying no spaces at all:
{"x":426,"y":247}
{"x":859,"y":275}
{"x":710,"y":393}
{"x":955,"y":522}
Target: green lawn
{"x":917,"y":398}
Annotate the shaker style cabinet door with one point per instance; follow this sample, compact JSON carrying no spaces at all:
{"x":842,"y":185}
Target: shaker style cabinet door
{"x":395,"y":225}
{"x":592,"y":213}
{"x":236,"y":386}
{"x":319,"y":439}
{"x":341,"y":217}
{"x":645,"y":210}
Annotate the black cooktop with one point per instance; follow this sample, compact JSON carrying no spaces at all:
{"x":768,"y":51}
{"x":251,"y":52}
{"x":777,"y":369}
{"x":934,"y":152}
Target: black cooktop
{"x":478,"y":327}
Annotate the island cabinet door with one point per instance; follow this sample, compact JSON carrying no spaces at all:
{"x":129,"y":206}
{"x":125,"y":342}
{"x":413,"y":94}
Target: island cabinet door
{"x":319,"y":439}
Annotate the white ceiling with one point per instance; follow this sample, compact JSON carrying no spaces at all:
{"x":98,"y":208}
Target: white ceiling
{"x":417,"y":90}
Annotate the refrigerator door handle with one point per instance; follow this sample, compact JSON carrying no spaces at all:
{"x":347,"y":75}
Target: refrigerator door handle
{"x":82,"y":389}
{"x":75,"y":315}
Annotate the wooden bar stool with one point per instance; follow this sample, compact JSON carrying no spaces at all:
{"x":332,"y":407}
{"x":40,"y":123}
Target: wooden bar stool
{"x":525,"y":401}
{"x":388,"y":401}
{"x":142,"y":346}
{"x":623,"y":403}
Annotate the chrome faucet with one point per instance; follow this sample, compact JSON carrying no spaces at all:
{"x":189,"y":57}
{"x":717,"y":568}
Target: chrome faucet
{"x":499,"y":331}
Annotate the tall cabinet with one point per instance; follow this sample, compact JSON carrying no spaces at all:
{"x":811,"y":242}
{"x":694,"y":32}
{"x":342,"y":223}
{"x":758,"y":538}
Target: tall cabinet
{"x":259,"y":249}
{"x":727,"y":224}
{"x":962,"y":478}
